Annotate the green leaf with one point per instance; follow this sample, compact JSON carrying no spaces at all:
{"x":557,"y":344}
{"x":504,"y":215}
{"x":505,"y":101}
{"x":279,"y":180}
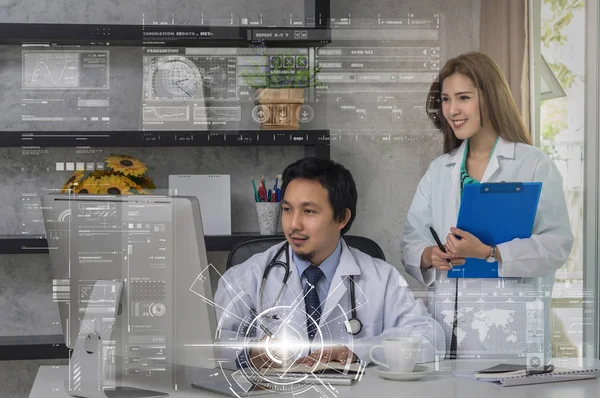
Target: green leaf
{"x":562,"y":11}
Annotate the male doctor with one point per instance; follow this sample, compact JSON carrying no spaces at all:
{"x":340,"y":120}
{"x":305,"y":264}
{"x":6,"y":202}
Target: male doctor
{"x":310,"y":316}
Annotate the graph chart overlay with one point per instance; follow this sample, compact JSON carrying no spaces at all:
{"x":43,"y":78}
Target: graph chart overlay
{"x":488,"y":326}
{"x":177,"y":78}
{"x":219,"y":76}
{"x":166,"y":113}
{"x":65,"y":70}
{"x":218,"y":114}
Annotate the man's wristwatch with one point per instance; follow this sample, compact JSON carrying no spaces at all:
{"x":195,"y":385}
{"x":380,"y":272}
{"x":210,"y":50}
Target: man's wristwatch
{"x":492,"y":257}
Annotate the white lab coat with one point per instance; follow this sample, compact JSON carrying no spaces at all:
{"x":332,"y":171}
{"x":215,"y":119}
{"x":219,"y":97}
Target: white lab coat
{"x":528,"y":264}
{"x":385,"y":305}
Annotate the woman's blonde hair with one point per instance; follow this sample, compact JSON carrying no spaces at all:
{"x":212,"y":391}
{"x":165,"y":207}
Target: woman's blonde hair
{"x":494,"y":95}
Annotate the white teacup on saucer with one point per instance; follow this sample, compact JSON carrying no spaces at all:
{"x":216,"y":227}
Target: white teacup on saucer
{"x":417,"y":373}
{"x":400,"y":354}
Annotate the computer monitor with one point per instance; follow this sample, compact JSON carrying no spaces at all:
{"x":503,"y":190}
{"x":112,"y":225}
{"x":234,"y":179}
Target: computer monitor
{"x":162,"y":325}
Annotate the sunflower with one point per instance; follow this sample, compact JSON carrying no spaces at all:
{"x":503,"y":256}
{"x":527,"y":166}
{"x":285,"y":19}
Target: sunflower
{"x":135,"y":186}
{"x":145,"y":182}
{"x":72,"y":182}
{"x":100,"y":173}
{"x":89,"y":186}
{"x":127,"y":165}
{"x":114,"y":185}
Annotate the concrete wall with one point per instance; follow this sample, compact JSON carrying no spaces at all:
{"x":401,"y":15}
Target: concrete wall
{"x":386,"y":173}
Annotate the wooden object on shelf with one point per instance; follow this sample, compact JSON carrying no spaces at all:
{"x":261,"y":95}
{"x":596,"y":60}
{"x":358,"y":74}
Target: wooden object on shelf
{"x":281,"y":107}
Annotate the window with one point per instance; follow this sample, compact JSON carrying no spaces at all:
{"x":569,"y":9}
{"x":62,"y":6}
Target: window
{"x":559,"y":45}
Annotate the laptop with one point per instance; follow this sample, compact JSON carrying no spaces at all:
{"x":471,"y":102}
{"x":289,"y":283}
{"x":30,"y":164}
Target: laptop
{"x":331,"y":372}
{"x":232,"y":389}
{"x":228,"y":382}
{"x":245,"y":384}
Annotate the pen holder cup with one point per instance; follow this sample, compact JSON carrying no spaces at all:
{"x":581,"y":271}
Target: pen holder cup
{"x":268,"y":217}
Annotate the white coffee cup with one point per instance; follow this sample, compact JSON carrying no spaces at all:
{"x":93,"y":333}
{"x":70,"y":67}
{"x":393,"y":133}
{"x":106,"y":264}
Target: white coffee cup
{"x":400,"y":353}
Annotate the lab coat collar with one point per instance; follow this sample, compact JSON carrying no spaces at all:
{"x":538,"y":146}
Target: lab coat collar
{"x":348,"y":264}
{"x":457,"y":156}
{"x":346,"y":267}
{"x":504,"y":148}
{"x":337,"y":290}
{"x":328,"y":266}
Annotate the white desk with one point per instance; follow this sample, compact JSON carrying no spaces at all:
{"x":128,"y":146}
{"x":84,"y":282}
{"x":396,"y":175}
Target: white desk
{"x":49,"y":383}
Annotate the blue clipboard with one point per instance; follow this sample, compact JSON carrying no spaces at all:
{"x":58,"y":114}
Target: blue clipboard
{"x":495,"y":213}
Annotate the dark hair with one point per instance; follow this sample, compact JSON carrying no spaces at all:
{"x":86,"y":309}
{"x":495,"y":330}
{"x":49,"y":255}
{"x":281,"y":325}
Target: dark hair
{"x":334,"y":177}
{"x":494,"y":96}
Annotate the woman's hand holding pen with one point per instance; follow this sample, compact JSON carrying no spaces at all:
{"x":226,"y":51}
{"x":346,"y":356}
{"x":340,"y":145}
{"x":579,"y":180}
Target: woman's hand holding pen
{"x":468,"y":246}
{"x":439,"y":257}
{"x":457,"y":250}
{"x":439,"y":260}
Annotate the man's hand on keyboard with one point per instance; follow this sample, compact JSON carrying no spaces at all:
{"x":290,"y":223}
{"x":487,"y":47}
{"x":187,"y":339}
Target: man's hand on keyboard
{"x":339,"y":353}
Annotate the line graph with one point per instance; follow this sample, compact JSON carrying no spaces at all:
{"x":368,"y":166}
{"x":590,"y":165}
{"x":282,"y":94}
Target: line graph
{"x":218,"y":114}
{"x":45,"y":69}
{"x":65,"y":70}
{"x":166,"y":113}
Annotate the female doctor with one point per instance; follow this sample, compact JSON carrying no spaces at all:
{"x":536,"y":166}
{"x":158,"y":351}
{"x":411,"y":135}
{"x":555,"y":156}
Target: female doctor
{"x":360,"y":299}
{"x":485,"y":140}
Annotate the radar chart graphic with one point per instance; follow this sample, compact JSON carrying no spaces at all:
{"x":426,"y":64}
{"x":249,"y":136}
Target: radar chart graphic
{"x":175,"y":78}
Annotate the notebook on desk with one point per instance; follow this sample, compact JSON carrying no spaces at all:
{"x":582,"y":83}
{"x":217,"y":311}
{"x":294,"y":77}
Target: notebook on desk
{"x":509,"y":370}
{"x":556,"y":375}
{"x":330,"y":368}
{"x":333,"y":373}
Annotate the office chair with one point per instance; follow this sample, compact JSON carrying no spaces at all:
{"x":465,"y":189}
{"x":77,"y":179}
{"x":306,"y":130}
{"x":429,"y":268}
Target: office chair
{"x":249,"y":247}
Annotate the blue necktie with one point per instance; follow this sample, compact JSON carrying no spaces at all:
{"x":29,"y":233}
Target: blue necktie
{"x":311,"y":299}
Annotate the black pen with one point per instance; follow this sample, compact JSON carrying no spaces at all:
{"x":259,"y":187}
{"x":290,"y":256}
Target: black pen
{"x":260,"y":324}
{"x":439,"y":243}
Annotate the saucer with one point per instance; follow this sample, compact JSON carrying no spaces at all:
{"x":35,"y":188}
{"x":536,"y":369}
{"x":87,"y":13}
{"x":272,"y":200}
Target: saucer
{"x":416,"y":374}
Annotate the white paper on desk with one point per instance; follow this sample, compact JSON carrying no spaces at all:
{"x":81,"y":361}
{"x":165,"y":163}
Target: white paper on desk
{"x":466,"y":374}
{"x":551,"y":377}
{"x":213,"y":192}
{"x":333,"y":366}
{"x":470,"y":374}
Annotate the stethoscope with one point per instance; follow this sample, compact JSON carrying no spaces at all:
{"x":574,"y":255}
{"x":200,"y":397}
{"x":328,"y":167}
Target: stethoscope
{"x":353,"y":325}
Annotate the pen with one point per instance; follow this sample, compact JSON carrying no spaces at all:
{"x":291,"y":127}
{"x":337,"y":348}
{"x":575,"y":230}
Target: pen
{"x":439,"y":243}
{"x":255,"y":192}
{"x":260,"y":325}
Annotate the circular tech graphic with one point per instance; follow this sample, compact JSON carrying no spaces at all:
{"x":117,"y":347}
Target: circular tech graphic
{"x":157,"y":309}
{"x":261,"y":113}
{"x":176,"y":78}
{"x":288,"y":343}
{"x":305,"y":113}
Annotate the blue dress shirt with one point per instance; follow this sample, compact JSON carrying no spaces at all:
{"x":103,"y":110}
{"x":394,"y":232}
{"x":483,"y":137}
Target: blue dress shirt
{"x":328,"y":267}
